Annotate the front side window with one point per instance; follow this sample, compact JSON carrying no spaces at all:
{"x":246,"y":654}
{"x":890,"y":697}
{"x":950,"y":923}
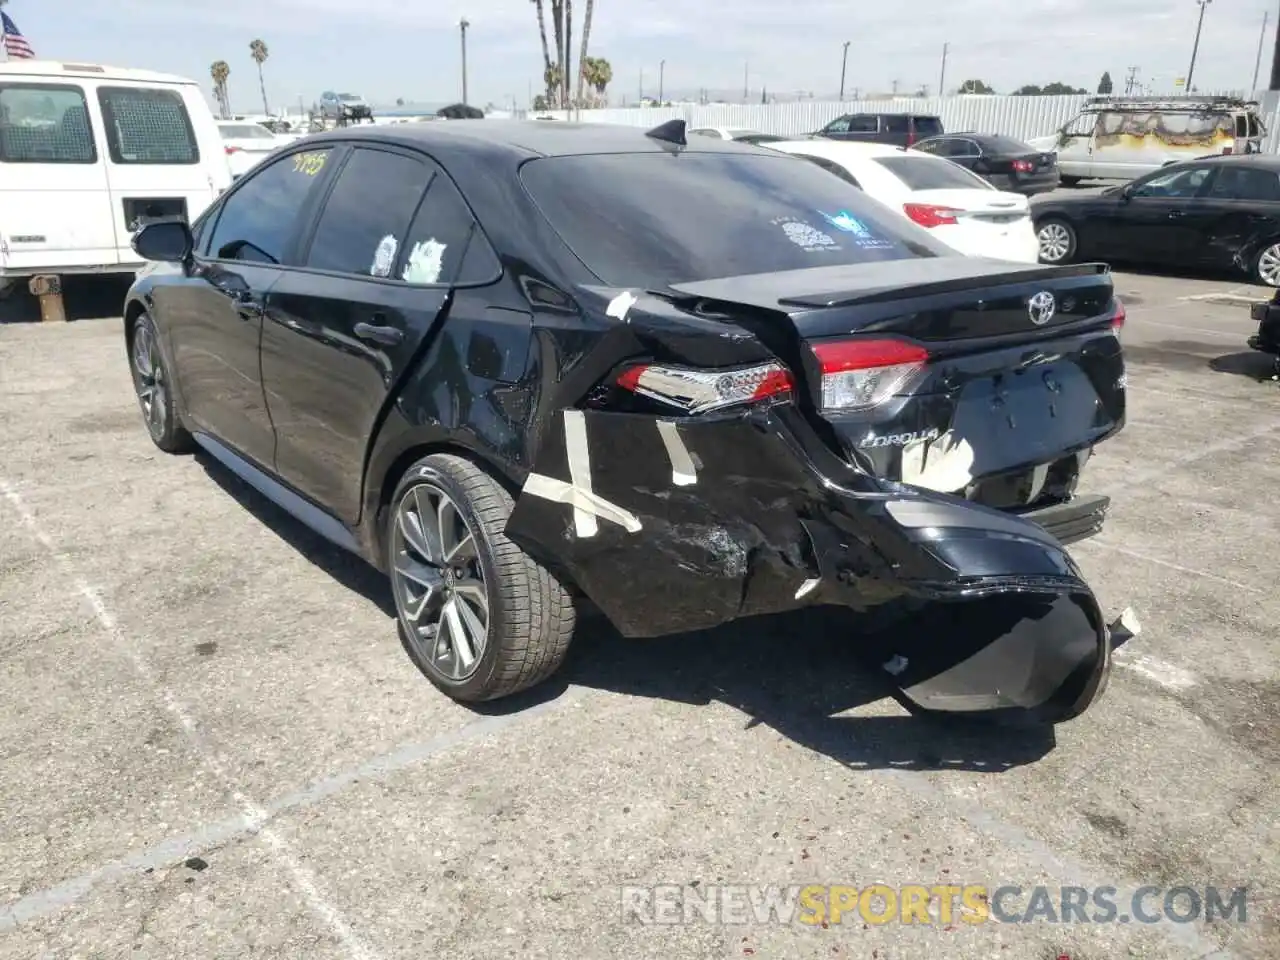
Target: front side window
{"x":147,"y":126}
{"x":1176,"y":184}
{"x":839,"y":125}
{"x":657,"y":219}
{"x":366,"y":217}
{"x":923,"y":173}
{"x":1081,"y":126}
{"x":45,"y":123}
{"x":259,"y":219}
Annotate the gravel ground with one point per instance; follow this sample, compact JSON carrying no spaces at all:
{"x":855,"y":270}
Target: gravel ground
{"x":217,"y":748}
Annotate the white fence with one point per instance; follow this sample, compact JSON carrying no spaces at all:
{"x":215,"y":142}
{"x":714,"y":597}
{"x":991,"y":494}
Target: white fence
{"x":1021,"y":117}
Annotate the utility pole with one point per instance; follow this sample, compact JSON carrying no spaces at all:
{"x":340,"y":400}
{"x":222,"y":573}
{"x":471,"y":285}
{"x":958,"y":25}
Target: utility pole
{"x":1195,"y":47}
{"x":844,"y":63}
{"x":746,"y":73}
{"x":942,"y":75}
{"x":1257,"y":64}
{"x":640,"y":98}
{"x":895,"y":88}
{"x":1131,"y":82}
{"x":662,"y":72}
{"x":462,"y":26}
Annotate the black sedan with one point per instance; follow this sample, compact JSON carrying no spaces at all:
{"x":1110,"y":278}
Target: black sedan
{"x":1005,"y":163}
{"x":1219,"y":212}
{"x":516,"y":364}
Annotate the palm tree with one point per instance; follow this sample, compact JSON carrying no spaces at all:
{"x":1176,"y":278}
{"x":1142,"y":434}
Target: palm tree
{"x":599,"y":74}
{"x":566,"y":63}
{"x":546,"y":51}
{"x":219,"y":70}
{"x":258,"y":50}
{"x":583,"y":61}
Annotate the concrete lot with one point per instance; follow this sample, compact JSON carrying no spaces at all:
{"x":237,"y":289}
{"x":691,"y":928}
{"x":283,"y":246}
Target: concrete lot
{"x":215,"y":746}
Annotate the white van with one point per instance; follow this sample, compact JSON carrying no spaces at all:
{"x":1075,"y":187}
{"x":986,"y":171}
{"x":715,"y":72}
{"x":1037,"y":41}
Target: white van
{"x":1125,"y":137}
{"x":85,"y":152}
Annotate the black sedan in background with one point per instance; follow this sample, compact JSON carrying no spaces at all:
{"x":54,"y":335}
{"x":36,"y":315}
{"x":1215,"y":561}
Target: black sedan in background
{"x":516,"y":364}
{"x":1218,"y":212}
{"x":1005,"y":163}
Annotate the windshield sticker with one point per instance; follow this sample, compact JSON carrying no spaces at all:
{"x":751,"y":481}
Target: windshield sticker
{"x":426,"y":262}
{"x":863,"y":237}
{"x":384,"y":258}
{"x":805,"y":236}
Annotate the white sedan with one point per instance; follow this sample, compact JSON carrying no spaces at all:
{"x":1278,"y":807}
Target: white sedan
{"x":740,"y":134}
{"x":959,"y":207}
{"x":247,"y":143}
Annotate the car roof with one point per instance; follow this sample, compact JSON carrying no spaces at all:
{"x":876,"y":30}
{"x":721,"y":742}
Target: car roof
{"x":522,"y":139}
{"x":96,"y":71}
{"x":1269,"y":161}
{"x":836,"y":149}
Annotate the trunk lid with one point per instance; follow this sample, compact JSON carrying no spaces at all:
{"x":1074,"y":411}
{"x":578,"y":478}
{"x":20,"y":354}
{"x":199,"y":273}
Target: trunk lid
{"x":977,"y":207}
{"x":1012,"y":372}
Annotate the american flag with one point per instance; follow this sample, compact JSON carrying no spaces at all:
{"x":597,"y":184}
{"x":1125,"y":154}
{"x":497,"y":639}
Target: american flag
{"x":15,"y":44}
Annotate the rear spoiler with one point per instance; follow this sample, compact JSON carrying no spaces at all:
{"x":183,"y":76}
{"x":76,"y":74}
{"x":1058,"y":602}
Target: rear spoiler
{"x":853,"y":297}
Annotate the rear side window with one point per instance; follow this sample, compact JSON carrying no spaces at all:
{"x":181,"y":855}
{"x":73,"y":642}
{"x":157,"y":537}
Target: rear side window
{"x":45,"y":123}
{"x":1005,"y":146}
{"x":832,"y":167}
{"x":921,"y":173}
{"x":445,"y":244}
{"x":656,"y":219}
{"x":147,"y":126}
{"x":261,"y":217}
{"x":1246,"y":183}
{"x":366,"y":217}
{"x":928,"y":126}
{"x":895,"y":123}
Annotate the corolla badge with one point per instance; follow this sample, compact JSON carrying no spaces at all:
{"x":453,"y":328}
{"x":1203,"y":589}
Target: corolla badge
{"x":1041,"y":308}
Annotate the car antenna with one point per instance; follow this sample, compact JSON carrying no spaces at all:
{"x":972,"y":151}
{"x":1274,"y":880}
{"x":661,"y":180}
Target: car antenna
{"x":670,"y":132}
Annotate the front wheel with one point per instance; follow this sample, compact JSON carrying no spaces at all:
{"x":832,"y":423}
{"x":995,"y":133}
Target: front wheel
{"x":1057,"y":241}
{"x":154,"y":387}
{"x":480,"y":617}
{"x":1266,"y":265}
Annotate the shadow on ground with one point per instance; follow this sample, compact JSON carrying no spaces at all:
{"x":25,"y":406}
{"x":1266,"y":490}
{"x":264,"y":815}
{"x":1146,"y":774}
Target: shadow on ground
{"x":799,"y":674}
{"x":1194,"y":357}
{"x":84,"y":298}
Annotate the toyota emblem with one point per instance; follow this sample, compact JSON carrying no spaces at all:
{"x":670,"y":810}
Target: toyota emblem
{"x":1041,"y":308}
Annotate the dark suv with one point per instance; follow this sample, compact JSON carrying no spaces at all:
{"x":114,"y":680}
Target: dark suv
{"x":895,"y":129}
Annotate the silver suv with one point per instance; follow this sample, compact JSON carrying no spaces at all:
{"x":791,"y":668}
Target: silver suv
{"x":344,"y":106}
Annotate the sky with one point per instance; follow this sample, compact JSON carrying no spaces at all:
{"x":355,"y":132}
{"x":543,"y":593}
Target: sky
{"x":389,"y":49}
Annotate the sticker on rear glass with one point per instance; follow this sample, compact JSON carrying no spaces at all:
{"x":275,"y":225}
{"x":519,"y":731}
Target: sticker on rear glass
{"x":847,"y":223}
{"x":384,"y":258}
{"x":805,"y":236}
{"x":425,"y":263}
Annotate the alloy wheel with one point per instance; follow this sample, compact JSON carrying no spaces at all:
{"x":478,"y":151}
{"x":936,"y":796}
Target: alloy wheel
{"x":439,"y":583}
{"x":153,"y":394}
{"x":1055,"y":242}
{"x":1269,"y":265}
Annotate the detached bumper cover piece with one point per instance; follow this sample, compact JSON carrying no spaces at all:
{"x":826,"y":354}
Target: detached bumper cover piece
{"x":673,"y":525}
{"x":1267,"y":315}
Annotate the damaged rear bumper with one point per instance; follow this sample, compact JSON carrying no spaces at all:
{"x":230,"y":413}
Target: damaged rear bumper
{"x":671,"y":526}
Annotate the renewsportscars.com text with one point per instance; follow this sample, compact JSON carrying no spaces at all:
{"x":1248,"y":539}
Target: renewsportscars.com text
{"x":828,"y":904}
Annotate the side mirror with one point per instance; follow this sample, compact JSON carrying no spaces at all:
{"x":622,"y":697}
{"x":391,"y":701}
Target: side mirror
{"x":166,"y":241}
{"x":1126,"y":193}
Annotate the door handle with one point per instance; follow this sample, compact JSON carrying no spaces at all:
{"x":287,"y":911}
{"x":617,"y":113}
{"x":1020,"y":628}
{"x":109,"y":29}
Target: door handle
{"x":387,"y":336}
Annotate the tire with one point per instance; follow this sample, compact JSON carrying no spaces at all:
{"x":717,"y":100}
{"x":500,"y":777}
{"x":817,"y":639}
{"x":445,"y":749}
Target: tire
{"x":1266,"y":265}
{"x":1060,"y":246}
{"x":529,"y":614}
{"x":153,"y":386}
{"x":1068,"y":182}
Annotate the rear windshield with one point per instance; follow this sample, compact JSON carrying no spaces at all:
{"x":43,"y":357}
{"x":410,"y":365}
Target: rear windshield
{"x":147,"y":125}
{"x":928,"y":126}
{"x":1004,"y":146}
{"x":926,"y":173}
{"x":654,"y":219}
{"x":245,"y":131}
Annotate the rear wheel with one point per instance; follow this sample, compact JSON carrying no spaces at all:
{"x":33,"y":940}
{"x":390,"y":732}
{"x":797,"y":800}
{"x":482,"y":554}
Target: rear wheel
{"x":1266,"y":265}
{"x":1057,"y":241}
{"x":480,"y":617}
{"x":153,"y":385}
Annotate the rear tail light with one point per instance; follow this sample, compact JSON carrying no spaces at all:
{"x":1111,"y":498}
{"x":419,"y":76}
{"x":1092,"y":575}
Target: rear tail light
{"x":231,"y":150}
{"x":1226,"y":151}
{"x":1117,"y":321}
{"x":930,"y":215}
{"x":698,"y":391}
{"x":1023,"y":166}
{"x":861,"y":374}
